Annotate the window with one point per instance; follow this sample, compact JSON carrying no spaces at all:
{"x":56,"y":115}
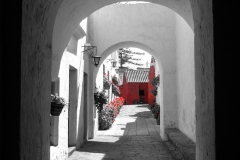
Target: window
{"x":141,"y":92}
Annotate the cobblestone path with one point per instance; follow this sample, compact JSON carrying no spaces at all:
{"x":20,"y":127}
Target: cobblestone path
{"x":134,"y":135}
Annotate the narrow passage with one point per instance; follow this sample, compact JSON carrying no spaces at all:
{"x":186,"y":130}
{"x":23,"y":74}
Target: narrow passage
{"x":134,"y":135}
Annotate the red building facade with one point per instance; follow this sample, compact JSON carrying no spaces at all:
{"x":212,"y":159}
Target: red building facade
{"x":135,"y":86}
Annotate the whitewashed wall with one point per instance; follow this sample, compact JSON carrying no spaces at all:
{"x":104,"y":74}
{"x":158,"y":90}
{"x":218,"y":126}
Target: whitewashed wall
{"x":71,"y":121}
{"x":47,"y":27}
{"x":185,"y":78}
{"x":147,"y":24}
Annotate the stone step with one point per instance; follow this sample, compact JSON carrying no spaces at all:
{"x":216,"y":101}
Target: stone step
{"x":182,"y":147}
{"x":71,"y":150}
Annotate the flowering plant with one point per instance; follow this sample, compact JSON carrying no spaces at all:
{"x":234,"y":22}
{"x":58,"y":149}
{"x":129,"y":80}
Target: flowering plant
{"x":106,"y":83}
{"x":109,"y":113}
{"x":115,"y":106}
{"x":105,"y":119}
{"x":114,"y":80}
{"x":158,"y":119}
{"x":115,"y":90}
{"x":155,"y":107}
{"x":100,"y":99}
{"x":155,"y":81}
{"x":55,"y":99}
{"x":154,"y":91}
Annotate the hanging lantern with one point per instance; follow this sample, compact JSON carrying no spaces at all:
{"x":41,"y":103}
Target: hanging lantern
{"x":96,"y":60}
{"x":114,"y":63}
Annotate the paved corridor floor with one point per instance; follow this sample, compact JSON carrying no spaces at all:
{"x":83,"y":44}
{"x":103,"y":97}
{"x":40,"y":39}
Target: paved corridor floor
{"x":134,"y":135}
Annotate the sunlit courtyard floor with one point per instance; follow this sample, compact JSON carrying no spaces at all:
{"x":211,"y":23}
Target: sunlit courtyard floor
{"x":134,"y":135}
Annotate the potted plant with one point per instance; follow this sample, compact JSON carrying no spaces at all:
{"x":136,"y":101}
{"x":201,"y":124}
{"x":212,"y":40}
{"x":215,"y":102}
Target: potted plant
{"x":156,"y":111}
{"x":114,"y":80}
{"x":115,"y":90}
{"x":155,"y":81}
{"x":154,"y":91}
{"x":158,"y":119}
{"x":100,"y":99}
{"x":106,"y":83}
{"x":57,"y":104}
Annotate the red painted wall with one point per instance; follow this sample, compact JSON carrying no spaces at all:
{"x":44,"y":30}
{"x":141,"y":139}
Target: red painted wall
{"x":124,"y":89}
{"x":130,"y":91}
{"x":133,"y":92}
{"x":150,"y":86}
{"x":144,"y":86}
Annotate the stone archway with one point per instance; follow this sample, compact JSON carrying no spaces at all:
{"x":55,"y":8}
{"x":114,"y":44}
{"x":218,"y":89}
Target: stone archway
{"x":171,"y":40}
{"x":159,"y":68}
{"x":71,"y":13}
{"x":38,"y":32}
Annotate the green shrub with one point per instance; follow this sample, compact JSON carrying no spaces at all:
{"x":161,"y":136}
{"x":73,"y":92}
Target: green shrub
{"x":109,"y":113}
{"x":105,"y":119}
{"x":155,"y":110}
{"x":100,"y":99}
{"x":115,"y":90}
{"x":114,"y":80}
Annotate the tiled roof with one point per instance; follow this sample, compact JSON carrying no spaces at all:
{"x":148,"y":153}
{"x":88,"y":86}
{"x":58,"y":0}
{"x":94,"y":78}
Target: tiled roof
{"x":136,"y":76}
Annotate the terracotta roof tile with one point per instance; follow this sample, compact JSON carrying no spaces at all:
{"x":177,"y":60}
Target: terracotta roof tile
{"x":136,"y":76}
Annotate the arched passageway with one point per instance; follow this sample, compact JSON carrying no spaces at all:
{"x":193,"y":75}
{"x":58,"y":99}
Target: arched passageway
{"x":164,"y":34}
{"x":66,"y":21}
{"x":46,"y":29}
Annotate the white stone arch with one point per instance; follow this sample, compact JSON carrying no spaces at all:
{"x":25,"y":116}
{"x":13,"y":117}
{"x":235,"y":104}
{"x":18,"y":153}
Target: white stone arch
{"x":149,"y":50}
{"x":182,"y":7}
{"x":155,"y":29}
{"x":72,"y":12}
{"x":40,"y":51}
{"x":199,"y":11}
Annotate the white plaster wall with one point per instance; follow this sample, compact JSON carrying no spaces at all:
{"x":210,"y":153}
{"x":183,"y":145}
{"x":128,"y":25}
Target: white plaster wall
{"x":152,"y":25}
{"x":74,"y":137}
{"x":185,"y":78}
{"x":72,"y":45}
{"x":73,"y":11}
{"x":148,"y":24}
{"x":99,"y":77}
{"x":80,"y":107}
{"x":61,"y":151}
{"x":46,"y":29}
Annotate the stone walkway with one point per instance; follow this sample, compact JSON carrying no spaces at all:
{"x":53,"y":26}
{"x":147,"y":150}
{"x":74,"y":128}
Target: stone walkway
{"x":134,"y":135}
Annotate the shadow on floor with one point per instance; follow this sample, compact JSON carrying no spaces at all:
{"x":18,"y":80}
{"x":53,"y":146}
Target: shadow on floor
{"x":136,"y":140}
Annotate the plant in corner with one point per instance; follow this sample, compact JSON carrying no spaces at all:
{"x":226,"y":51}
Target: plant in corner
{"x":154,"y":91}
{"x":57,"y":104}
{"x":155,"y":81}
{"x":105,"y":119}
{"x":108,"y":114}
{"x":115,"y":90}
{"x":158,"y":119}
{"x":115,"y":80}
{"x":106,"y":83}
{"x":156,"y":112}
{"x":100,"y":99}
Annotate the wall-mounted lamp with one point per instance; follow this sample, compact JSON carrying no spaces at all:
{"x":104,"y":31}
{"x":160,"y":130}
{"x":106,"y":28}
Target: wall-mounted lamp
{"x":114,"y":63}
{"x":96,"y":60}
{"x":89,"y":51}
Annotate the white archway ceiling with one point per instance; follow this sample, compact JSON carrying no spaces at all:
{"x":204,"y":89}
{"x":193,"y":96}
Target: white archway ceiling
{"x":72,"y":12}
